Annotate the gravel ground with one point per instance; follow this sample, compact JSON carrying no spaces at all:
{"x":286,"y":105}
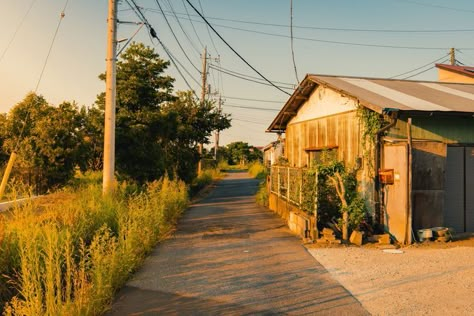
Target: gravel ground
{"x":422,"y":280}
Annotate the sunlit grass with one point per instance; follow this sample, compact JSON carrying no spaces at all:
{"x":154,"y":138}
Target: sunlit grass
{"x":68,"y":253}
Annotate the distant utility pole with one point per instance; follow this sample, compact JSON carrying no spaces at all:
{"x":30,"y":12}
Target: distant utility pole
{"x":110,"y":98}
{"x":203,"y":99}
{"x":216,"y":142}
{"x":452,"y":53}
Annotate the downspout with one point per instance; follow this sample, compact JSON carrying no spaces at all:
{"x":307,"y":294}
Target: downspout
{"x":378,"y":150}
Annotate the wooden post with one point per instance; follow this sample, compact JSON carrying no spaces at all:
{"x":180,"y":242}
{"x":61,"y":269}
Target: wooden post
{"x":288,"y":198}
{"x":6,"y":175}
{"x":278,"y":179}
{"x":408,"y":228}
{"x":316,"y":230}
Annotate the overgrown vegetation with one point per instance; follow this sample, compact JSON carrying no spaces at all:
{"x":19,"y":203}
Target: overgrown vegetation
{"x":70,"y":257}
{"x":371,"y":123}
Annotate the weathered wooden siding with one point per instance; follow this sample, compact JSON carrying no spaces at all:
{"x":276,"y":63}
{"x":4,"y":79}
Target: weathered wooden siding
{"x":341,"y":131}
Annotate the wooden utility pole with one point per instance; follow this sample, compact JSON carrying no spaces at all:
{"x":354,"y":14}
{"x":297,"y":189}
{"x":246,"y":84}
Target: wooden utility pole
{"x":452,"y":53}
{"x":216,"y":142}
{"x":203,"y":99}
{"x":110,"y":96}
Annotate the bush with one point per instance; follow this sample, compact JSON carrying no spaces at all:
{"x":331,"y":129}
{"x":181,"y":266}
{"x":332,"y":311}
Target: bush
{"x":257,"y":170}
{"x":75,"y":250}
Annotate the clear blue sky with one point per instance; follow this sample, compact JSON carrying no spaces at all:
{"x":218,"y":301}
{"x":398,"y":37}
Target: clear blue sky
{"x":78,"y":55}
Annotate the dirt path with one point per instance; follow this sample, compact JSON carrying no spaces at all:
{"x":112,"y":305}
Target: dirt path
{"x":231,"y":257}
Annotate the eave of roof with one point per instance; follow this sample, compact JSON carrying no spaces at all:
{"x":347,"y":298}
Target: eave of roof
{"x":364,"y":95}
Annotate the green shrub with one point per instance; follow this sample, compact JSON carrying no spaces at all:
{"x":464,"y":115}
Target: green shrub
{"x":257,"y":170}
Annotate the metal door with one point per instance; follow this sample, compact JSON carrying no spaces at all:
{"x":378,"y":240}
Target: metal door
{"x":469,"y":188}
{"x":454,"y":190}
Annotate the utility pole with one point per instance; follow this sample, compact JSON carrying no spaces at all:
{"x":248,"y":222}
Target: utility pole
{"x":452,"y":53}
{"x":216,"y":142}
{"x":203,"y":99}
{"x":110,"y":98}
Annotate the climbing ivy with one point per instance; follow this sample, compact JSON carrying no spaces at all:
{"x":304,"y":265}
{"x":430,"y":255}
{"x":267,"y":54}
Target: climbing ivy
{"x":371,"y":123}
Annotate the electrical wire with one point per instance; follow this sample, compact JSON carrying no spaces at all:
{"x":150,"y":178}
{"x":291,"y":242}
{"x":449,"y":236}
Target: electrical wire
{"x":16,"y":30}
{"x":469,"y":60}
{"x":421,"y":72}
{"x":250,"y":80}
{"x":207,"y":27}
{"x":61,"y":17}
{"x":130,"y":39}
{"x":418,"y":68}
{"x":437,"y":6}
{"x":192,"y":24}
{"x":153,"y":34}
{"x":235,"y":52}
{"x":250,"y":107}
{"x":291,"y":35}
{"x":248,"y":76}
{"x":256,"y":100}
{"x":193,"y":45}
{"x":176,"y":38}
{"x":335,"y":29}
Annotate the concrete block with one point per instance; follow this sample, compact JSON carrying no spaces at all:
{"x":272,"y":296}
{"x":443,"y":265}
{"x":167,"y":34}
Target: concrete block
{"x":384,"y":239}
{"x":356,"y":238}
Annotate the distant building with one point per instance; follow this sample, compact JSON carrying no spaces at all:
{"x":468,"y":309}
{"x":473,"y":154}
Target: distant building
{"x":455,"y":73}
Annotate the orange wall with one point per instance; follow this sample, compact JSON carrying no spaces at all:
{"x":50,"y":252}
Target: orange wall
{"x":449,"y":76}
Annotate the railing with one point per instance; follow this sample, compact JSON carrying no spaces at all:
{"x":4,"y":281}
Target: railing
{"x":296,"y":185}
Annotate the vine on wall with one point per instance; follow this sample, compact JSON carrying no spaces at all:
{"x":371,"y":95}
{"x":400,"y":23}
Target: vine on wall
{"x":371,"y":123}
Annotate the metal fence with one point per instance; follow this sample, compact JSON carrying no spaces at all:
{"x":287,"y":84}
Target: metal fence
{"x":296,"y":185}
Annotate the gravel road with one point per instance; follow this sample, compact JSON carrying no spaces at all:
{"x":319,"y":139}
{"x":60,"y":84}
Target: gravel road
{"x":420,"y":281}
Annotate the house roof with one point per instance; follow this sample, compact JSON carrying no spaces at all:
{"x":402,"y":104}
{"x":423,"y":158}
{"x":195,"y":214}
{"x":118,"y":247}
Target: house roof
{"x":463,"y":70}
{"x":383,"y":96}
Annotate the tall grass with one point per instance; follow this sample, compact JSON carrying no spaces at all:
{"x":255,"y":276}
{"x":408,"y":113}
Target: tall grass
{"x":70,"y":256}
{"x":257,"y":170}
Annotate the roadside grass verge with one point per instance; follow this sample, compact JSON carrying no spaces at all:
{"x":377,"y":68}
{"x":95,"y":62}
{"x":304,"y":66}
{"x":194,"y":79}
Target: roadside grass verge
{"x":69,"y":255}
{"x":259,"y":171}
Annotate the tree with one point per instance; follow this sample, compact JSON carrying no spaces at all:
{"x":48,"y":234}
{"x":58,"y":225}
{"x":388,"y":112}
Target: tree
{"x":48,"y":140}
{"x":241,"y":153}
{"x":156,"y":131}
{"x":142,"y":87}
{"x":193,"y":124}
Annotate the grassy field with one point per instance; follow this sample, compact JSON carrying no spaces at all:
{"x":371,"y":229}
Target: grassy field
{"x":67,"y":253}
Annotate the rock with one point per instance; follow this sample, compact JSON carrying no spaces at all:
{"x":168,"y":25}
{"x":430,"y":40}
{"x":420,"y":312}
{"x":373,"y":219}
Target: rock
{"x":356,"y":238}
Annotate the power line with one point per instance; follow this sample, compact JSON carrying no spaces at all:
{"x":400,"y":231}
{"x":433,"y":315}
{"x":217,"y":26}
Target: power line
{"x":175,"y":37}
{"x":419,"y":73}
{"x":418,"y":68}
{"x":181,"y":26}
{"x":192,"y":24}
{"x":61,"y":17}
{"x":207,"y":27}
{"x":16,"y":30}
{"x":437,"y":6}
{"x":291,"y":34}
{"x":250,"y":80}
{"x":249,"y":76}
{"x":257,"y":100}
{"x":250,"y":107}
{"x":235,"y":52}
{"x":153,"y":34}
{"x":335,"y":29}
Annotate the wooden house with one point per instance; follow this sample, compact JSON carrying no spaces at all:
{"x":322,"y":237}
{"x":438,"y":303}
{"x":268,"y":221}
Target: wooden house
{"x":419,"y":171}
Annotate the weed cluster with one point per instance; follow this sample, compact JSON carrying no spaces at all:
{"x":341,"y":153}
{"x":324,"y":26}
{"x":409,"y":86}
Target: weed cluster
{"x":68,"y":257}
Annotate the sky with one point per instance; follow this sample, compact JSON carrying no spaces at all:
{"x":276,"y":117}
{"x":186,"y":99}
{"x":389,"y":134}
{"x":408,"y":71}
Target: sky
{"x":338,"y":37}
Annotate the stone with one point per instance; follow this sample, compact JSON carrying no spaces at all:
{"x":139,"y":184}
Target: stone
{"x":356,"y":238}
